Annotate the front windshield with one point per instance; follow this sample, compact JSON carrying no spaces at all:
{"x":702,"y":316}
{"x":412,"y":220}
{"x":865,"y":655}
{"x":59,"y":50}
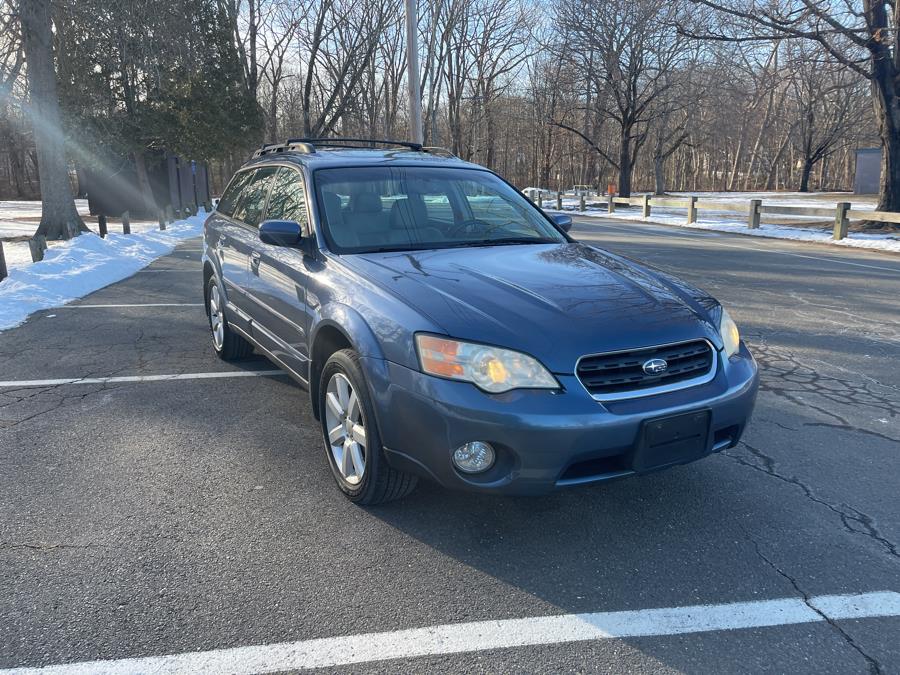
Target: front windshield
{"x":412,"y":208}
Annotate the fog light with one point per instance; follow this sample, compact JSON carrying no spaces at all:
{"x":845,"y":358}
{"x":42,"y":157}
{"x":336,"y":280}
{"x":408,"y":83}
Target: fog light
{"x":474,"y":457}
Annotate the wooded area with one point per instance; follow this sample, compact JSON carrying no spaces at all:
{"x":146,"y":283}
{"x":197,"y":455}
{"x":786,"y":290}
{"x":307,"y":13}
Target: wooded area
{"x":644,"y":94}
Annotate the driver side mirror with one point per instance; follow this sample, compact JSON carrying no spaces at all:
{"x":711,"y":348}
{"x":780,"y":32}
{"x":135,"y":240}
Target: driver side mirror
{"x":563,"y":221}
{"x":280,"y":232}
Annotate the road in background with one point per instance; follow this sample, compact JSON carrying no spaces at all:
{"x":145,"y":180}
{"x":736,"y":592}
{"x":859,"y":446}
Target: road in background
{"x":150,"y":518}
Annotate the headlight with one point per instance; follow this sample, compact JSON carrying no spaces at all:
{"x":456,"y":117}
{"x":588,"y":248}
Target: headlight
{"x":493,"y":369}
{"x":730,"y":335}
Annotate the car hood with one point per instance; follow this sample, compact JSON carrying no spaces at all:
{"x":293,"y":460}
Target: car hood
{"x":556,"y":302}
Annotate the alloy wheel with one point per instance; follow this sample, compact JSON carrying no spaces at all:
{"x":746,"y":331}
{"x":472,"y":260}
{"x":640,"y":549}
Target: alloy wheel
{"x":216,"y":322}
{"x":346,"y":429}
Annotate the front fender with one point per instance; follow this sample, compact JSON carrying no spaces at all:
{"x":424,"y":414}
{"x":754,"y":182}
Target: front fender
{"x":350,"y":323}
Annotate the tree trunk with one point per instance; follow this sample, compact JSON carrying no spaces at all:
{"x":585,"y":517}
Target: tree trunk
{"x":772,"y":176}
{"x":804,"y":175}
{"x":659,"y":175}
{"x":625,"y":165}
{"x":273,"y":114}
{"x":59,"y":218}
{"x":887,"y":112}
{"x":148,"y":201}
{"x":16,"y":165}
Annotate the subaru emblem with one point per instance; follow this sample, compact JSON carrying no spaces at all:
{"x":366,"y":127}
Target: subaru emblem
{"x":655,"y":366}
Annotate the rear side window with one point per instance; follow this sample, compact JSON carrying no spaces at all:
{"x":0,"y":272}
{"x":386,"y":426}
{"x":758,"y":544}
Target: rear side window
{"x":288,"y":198}
{"x":233,"y":192}
{"x":253,"y":199}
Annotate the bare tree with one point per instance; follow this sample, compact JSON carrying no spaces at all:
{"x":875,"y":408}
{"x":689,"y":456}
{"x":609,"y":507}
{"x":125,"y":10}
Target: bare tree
{"x":866,"y":42}
{"x":337,"y":41}
{"x":627,"y":48}
{"x":59,"y":218}
{"x":279,"y":21}
{"x":827,"y":98}
{"x":12,"y":61}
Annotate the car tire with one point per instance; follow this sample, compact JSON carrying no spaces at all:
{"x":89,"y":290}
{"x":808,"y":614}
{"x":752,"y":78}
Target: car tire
{"x":375,"y":482}
{"x":229,"y":345}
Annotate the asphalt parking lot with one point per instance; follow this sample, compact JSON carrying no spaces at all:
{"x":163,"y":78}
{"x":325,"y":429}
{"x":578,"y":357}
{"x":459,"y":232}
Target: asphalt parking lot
{"x":167,"y":516}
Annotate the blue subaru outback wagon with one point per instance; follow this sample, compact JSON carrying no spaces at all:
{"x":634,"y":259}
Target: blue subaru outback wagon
{"x":447,"y":328}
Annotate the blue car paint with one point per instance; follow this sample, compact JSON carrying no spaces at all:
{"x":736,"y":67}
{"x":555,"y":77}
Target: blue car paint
{"x":556,"y":302}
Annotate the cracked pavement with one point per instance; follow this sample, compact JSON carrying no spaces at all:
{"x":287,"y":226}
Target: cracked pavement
{"x":153,"y":518}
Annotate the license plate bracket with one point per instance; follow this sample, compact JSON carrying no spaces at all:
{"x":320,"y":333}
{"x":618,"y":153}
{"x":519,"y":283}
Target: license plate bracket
{"x":675,"y":439}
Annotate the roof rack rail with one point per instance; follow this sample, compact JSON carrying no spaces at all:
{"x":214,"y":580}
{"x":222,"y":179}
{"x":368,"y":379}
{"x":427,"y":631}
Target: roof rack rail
{"x":290,"y":146}
{"x":308,"y":146}
{"x":437,"y":150}
{"x":346,"y":142}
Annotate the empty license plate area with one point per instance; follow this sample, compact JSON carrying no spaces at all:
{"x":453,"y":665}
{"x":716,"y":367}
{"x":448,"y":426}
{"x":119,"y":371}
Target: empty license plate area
{"x":672,"y":440}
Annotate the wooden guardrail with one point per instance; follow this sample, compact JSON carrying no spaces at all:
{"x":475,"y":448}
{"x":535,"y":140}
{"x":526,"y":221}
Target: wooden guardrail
{"x":842,"y":213}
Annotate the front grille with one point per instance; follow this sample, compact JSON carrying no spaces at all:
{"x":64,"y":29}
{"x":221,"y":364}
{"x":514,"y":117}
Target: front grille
{"x":621,"y":372}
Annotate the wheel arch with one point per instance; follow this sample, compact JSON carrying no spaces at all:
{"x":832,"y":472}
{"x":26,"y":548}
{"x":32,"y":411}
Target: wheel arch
{"x":340,"y":328}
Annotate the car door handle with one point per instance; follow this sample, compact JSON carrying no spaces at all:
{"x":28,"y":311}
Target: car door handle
{"x":254,"y":262}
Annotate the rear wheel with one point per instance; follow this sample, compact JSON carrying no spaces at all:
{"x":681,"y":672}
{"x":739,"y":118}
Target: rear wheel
{"x":229,"y":345}
{"x":352,"y":443}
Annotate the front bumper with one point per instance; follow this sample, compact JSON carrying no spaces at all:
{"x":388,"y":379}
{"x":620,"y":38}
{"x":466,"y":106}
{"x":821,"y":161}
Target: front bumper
{"x":543,"y":439}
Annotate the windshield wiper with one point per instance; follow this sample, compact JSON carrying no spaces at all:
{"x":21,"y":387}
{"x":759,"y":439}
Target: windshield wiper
{"x":391,"y":249}
{"x":502,"y":242}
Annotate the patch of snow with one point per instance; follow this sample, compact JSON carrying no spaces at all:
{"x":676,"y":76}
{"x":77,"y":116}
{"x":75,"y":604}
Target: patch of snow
{"x":20,"y":219}
{"x":82,"y":265}
{"x":15,"y":217}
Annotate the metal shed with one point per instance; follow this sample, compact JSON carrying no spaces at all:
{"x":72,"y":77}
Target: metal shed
{"x":868,"y":171}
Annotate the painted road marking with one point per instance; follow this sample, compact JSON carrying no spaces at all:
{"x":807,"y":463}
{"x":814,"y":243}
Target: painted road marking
{"x":21,"y":384}
{"x":137,"y":304}
{"x":688,"y":235}
{"x":482,"y":635}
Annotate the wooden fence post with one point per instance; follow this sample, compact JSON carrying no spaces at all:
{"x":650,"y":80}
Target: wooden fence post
{"x":581,"y":206}
{"x":37,"y":245}
{"x":753,"y":220}
{"x":3,"y":271}
{"x":645,"y":206}
{"x":692,"y":209}
{"x":161,"y":217}
{"x":841,"y":222}
{"x":126,"y":223}
{"x":559,"y":201}
{"x":101,"y":223}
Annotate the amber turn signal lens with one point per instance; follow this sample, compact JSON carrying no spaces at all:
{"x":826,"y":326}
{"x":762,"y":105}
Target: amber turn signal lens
{"x":439,"y":357}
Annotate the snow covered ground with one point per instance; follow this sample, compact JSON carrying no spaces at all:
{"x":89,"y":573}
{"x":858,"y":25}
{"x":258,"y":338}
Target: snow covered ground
{"x":21,"y":219}
{"x":74,"y":268}
{"x":725,"y":221}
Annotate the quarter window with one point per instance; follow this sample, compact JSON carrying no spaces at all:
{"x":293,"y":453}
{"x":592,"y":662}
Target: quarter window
{"x":253,"y":199}
{"x":233,"y":192}
{"x":288,"y":198}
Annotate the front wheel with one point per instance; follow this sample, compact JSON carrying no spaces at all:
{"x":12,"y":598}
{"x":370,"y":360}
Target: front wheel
{"x":352,"y":443}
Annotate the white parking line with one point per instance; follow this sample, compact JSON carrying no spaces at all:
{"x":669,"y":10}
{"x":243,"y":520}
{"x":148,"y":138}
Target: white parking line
{"x":21,"y":384}
{"x":136,"y":304}
{"x":482,"y":635}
